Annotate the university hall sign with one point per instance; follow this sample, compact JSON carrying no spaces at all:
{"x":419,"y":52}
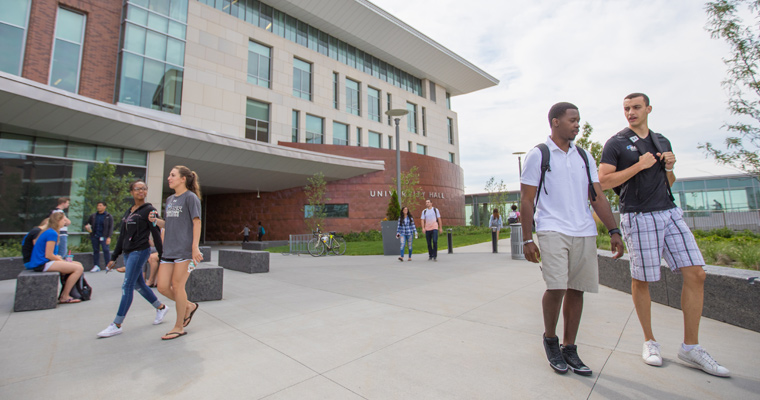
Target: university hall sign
{"x":387,"y":193}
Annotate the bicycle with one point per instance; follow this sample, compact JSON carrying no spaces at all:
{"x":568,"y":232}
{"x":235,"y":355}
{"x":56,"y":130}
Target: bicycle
{"x":322,"y":243}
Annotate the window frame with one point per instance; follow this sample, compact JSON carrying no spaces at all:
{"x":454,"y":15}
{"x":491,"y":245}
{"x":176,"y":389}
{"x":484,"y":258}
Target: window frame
{"x":80,"y":44}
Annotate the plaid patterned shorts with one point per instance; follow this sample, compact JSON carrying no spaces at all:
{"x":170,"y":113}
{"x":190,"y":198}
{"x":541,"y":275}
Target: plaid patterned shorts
{"x":655,"y":235}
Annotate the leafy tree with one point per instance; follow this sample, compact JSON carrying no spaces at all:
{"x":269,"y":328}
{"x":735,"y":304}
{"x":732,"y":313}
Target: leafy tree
{"x":316,"y":197}
{"x":725,"y":21}
{"x":102,"y":184}
{"x":411,"y":194}
{"x":393,"y":213}
{"x":595,"y":148}
{"x":497,"y":196}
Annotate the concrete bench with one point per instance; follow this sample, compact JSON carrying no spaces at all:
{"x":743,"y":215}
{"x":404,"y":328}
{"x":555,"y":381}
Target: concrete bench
{"x":255,"y":246}
{"x":247,"y":261}
{"x":205,"y":283}
{"x":10,"y":267}
{"x":36,"y":290}
{"x":206,"y":250}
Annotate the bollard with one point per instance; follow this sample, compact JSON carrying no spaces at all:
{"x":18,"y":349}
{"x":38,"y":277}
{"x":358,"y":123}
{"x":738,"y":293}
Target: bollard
{"x":451,"y":246}
{"x":494,"y":241}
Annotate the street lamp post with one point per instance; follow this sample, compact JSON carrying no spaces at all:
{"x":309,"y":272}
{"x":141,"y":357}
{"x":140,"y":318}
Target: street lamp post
{"x":519,"y":162}
{"x":397,"y":113}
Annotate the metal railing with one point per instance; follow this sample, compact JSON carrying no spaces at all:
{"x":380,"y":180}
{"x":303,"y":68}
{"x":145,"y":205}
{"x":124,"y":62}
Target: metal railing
{"x":299,"y":244}
{"x":713,"y":219}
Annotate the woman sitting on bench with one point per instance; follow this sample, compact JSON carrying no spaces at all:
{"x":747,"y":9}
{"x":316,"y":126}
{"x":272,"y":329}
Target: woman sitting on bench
{"x":44,"y":258}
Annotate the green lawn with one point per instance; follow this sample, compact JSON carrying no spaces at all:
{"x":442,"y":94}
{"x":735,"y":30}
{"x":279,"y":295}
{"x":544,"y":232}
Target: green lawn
{"x":419,"y":246}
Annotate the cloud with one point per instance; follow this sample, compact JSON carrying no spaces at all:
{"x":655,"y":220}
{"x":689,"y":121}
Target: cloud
{"x":591,"y":53}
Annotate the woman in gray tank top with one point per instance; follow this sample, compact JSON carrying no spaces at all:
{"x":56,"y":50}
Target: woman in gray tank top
{"x":182,"y":221}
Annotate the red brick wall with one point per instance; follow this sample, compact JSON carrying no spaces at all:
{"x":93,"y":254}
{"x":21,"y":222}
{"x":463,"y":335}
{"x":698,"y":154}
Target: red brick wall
{"x":280,"y":212}
{"x":101,"y":44}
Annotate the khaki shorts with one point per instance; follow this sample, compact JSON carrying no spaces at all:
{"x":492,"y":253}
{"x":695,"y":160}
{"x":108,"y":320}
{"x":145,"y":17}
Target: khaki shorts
{"x":569,"y":262}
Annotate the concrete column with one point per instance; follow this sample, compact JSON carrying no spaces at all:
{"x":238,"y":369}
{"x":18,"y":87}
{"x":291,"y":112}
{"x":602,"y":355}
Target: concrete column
{"x":156,"y":176}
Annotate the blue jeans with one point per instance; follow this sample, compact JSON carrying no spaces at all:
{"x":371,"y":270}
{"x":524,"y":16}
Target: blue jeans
{"x":96,"y":245}
{"x":432,"y":242}
{"x":406,"y":240}
{"x":63,"y":245}
{"x":133,"y":280}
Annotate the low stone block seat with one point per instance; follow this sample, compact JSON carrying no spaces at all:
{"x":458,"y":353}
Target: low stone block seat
{"x":248,"y":261}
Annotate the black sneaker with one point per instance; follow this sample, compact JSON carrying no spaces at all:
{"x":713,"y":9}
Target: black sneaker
{"x":554,"y":354}
{"x":570,"y":354}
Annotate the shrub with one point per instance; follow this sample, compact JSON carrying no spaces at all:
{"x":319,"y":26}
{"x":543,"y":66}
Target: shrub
{"x":10,"y":248}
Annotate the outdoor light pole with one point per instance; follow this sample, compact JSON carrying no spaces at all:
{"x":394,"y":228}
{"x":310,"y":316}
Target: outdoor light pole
{"x":519,"y":162}
{"x":397,"y":113}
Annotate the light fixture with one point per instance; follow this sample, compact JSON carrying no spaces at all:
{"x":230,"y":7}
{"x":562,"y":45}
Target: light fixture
{"x":397,"y":113}
{"x":258,"y":194}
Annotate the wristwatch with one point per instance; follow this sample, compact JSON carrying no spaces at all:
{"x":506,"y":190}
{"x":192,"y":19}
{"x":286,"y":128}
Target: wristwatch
{"x":614,"y":231}
{"x":527,"y":241}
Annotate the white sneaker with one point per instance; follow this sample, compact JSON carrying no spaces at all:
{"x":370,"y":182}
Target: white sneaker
{"x":651,"y":353}
{"x":160,"y":314}
{"x":95,"y":269}
{"x":112,"y":330}
{"x":698,"y":358}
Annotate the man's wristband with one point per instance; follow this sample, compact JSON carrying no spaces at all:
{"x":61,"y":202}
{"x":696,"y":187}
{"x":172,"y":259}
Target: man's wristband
{"x":614,"y":231}
{"x":668,"y":170}
{"x":527,"y":241}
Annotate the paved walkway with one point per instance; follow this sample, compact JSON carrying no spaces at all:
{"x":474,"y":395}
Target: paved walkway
{"x":466,"y":327}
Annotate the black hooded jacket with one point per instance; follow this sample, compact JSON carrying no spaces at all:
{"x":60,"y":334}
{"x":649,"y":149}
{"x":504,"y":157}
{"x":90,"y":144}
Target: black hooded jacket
{"x":134,"y":232}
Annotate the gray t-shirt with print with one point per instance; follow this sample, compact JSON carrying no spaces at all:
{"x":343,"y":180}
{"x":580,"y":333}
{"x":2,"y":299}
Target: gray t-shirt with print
{"x":178,"y":237}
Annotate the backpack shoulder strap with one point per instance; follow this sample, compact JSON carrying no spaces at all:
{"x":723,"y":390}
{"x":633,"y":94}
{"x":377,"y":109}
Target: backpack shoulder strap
{"x":658,"y":145}
{"x":584,"y":156}
{"x":545,"y":159}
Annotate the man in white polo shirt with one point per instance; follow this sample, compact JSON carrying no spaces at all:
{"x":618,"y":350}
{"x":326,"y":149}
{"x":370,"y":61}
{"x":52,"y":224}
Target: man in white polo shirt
{"x":566,"y":232}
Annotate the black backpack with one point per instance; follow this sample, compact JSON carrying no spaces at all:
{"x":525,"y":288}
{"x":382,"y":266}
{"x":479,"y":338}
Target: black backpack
{"x":546,"y":157}
{"x":81,"y":289}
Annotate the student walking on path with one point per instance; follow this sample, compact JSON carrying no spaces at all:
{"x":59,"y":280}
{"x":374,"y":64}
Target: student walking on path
{"x":405,"y":232}
{"x":566,"y":231}
{"x":100,"y":226}
{"x":638,"y":164}
{"x":136,"y":230}
{"x":431,"y":225}
{"x":181,"y":240}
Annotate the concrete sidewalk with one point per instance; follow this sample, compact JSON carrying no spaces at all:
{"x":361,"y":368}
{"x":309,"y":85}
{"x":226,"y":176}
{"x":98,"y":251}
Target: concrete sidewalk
{"x":466,"y":327}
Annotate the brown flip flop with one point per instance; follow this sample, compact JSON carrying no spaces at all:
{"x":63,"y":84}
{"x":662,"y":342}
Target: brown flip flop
{"x":173,"y":335}
{"x":190,"y":317}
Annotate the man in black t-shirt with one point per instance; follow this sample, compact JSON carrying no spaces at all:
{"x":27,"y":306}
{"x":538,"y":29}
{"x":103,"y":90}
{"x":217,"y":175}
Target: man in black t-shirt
{"x":639,"y":163}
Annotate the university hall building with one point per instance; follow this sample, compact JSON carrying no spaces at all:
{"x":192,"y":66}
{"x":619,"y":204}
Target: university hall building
{"x":255,"y":96}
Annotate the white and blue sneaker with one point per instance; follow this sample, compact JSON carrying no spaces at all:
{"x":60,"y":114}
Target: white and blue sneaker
{"x":160,"y":314}
{"x":95,"y":269}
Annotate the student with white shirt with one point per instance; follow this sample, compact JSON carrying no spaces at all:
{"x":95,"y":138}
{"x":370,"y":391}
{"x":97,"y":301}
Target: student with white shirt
{"x":431,"y":225}
{"x":566,"y":232}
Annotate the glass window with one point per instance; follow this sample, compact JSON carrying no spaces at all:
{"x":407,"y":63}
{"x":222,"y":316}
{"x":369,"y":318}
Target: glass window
{"x":134,"y":157}
{"x":257,"y":121}
{"x":301,"y":79}
{"x":424,"y":122}
{"x":450,"y":129}
{"x":331,"y":210}
{"x":390,"y":142}
{"x":353,"y":105}
{"x":448,"y":100}
{"x":694,"y":185}
{"x":294,"y":133}
{"x":16,"y":143}
{"x":81,"y":151}
{"x":67,"y":50}
{"x":716,"y":201}
{"x":373,"y":104}
{"x":112,"y":154}
{"x":359,"y":137}
{"x":422,"y":149}
{"x":13,"y":22}
{"x":411,"y":118}
{"x":694,"y":200}
{"x":50,"y":147}
{"x":375,"y":140}
{"x":452,"y":157}
{"x":314,"y":129}
{"x":409,"y":146}
{"x":265,"y":17}
{"x":340,"y":133}
{"x":432,"y":91}
{"x":389,"y":108}
{"x":737,"y":200}
{"x":716,"y":183}
{"x":259,"y":58}
{"x":335,"y":90}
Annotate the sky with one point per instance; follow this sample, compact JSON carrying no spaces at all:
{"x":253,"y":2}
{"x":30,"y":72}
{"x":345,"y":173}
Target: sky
{"x":591,"y":53}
